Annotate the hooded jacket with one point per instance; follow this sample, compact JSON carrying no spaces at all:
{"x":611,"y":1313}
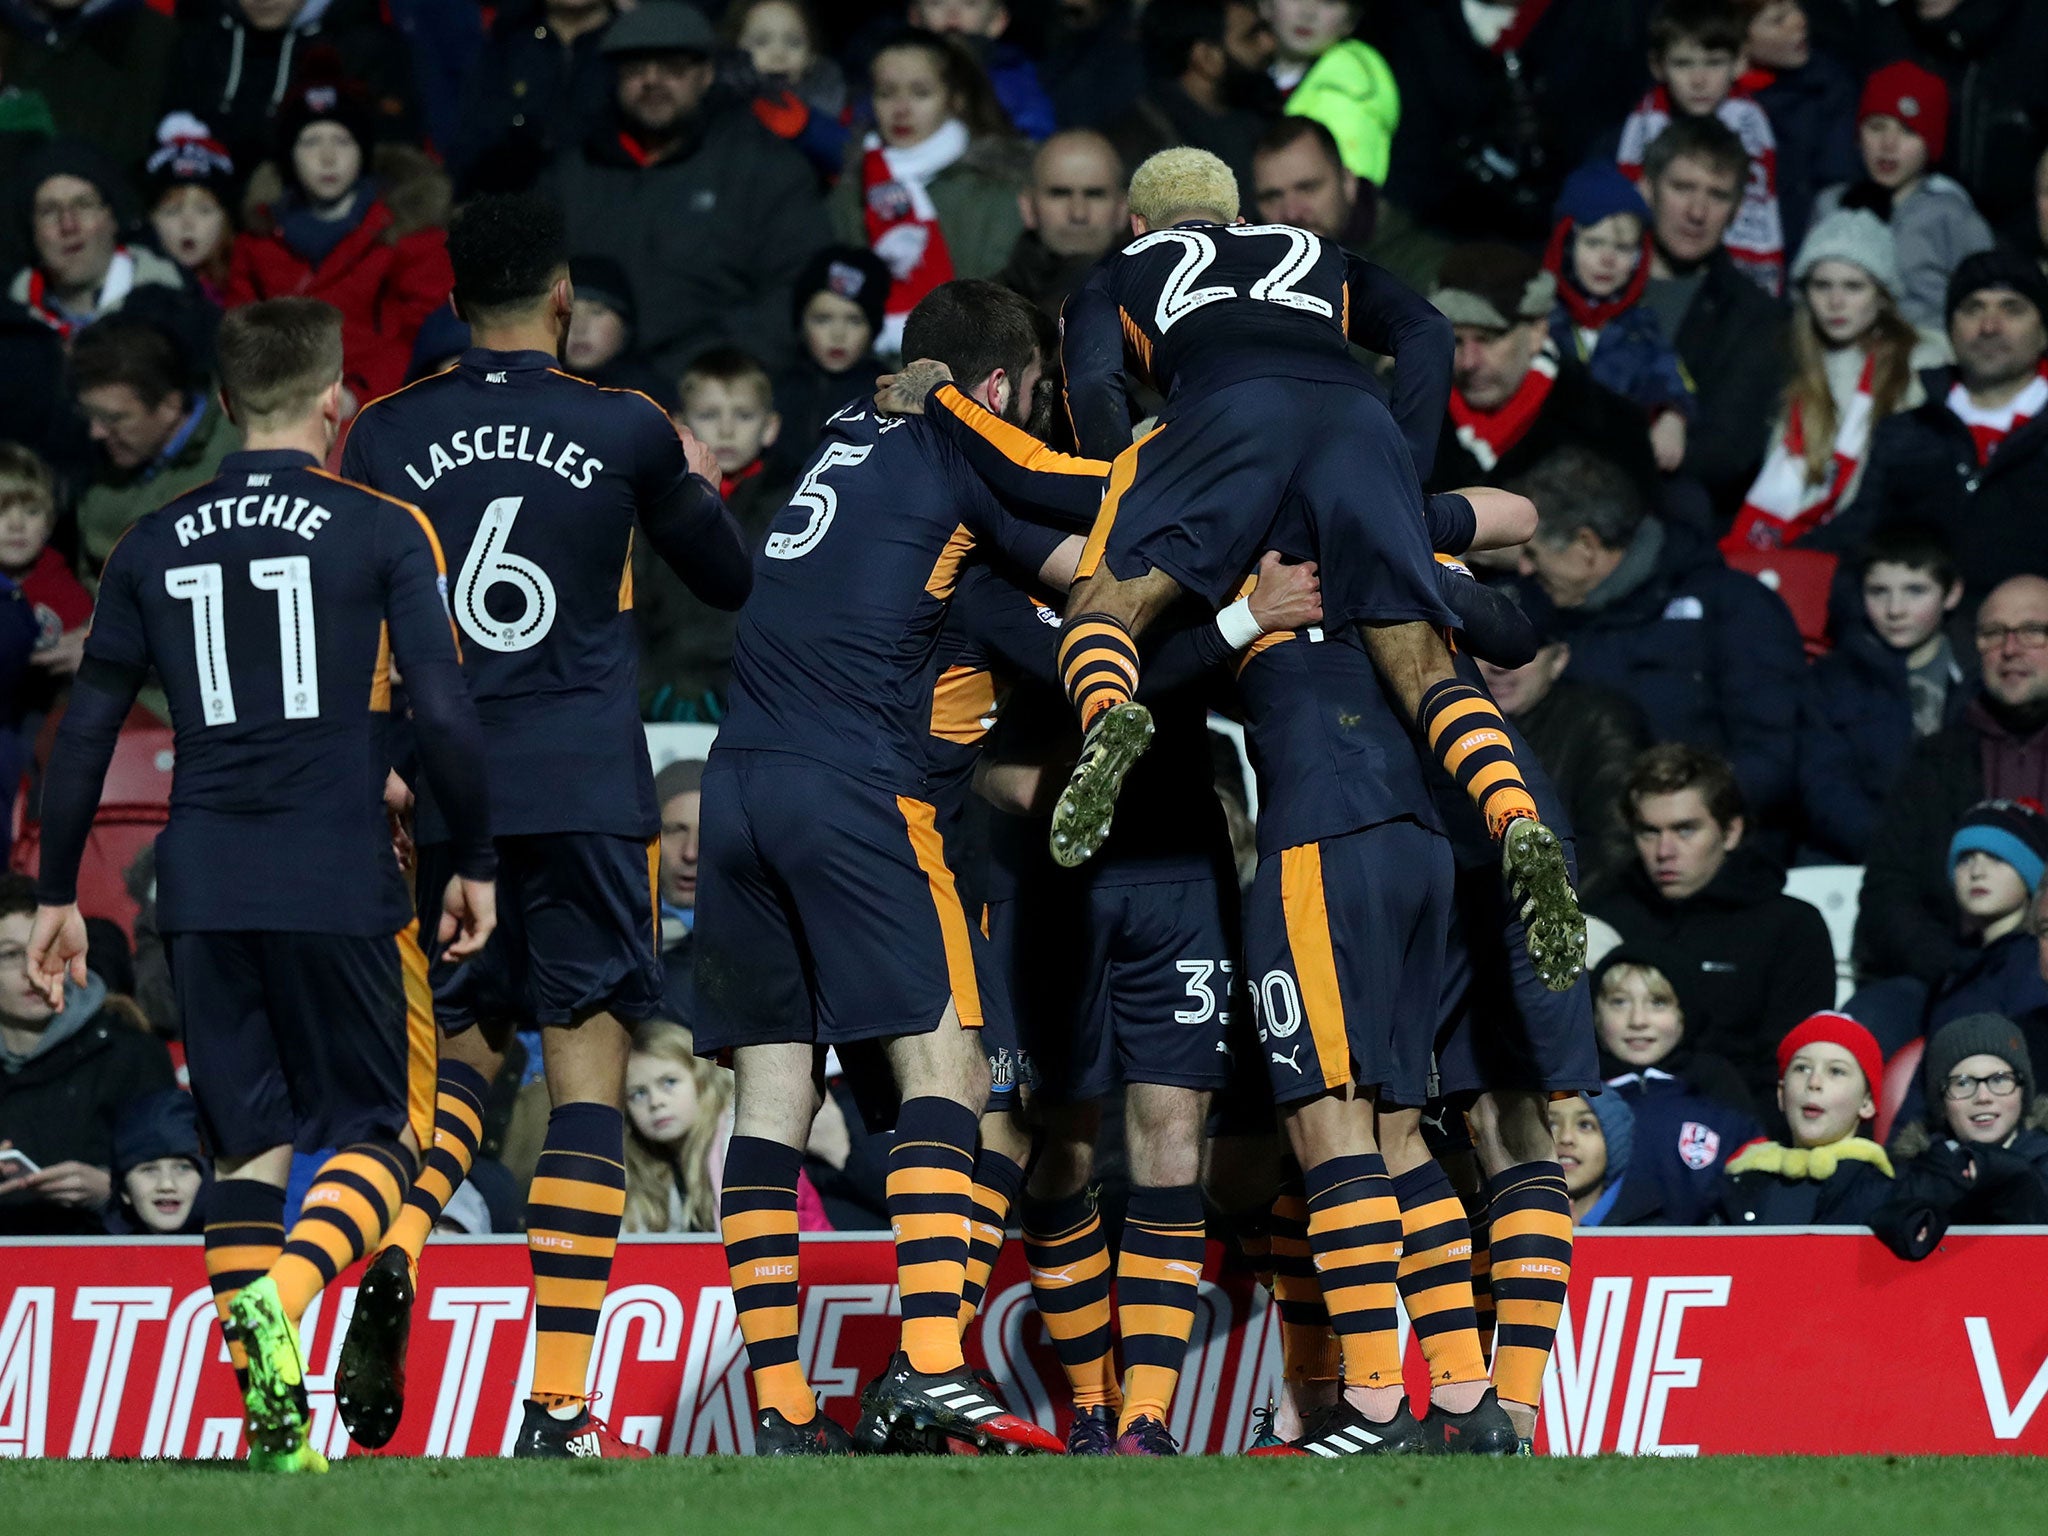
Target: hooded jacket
{"x":60,"y":1102}
{"x":1848,"y":1197}
{"x":103,"y":68}
{"x":1942,"y":1182}
{"x":1691,"y":1116}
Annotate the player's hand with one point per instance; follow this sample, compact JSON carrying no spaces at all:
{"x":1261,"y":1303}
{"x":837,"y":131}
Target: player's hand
{"x":74,"y":1183}
{"x":1667,"y":441}
{"x":56,"y":949}
{"x":1286,"y":596}
{"x":702,"y":461}
{"x":469,"y":911}
{"x":902,"y":394}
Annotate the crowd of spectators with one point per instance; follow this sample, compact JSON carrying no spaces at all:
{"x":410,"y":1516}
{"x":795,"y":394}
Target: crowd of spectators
{"x":1748,"y":295}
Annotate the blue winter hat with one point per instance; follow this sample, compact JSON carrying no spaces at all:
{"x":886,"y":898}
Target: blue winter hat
{"x":2013,"y":830}
{"x":164,"y":1124}
{"x":1617,"y":1128}
{"x":1597,"y":190}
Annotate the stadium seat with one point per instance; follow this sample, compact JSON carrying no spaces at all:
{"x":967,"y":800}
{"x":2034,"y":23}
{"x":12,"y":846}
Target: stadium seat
{"x":1834,"y":890}
{"x":134,"y":805}
{"x":1803,"y":578}
{"x":1899,"y":1073}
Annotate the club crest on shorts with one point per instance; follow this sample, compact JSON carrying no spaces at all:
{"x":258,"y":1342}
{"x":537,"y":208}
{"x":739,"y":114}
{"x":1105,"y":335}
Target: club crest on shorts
{"x":1698,"y":1145}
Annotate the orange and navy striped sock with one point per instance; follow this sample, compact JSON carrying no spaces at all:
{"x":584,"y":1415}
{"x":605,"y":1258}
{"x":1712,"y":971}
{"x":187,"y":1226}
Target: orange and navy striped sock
{"x":757,"y":1219}
{"x":996,"y":1182}
{"x":1069,"y":1259}
{"x":458,"y":1127}
{"x":1482,"y":1270}
{"x":353,"y":1198}
{"x":1470,"y":738}
{"x":1532,"y":1265}
{"x":244,"y":1236}
{"x":1098,"y":663}
{"x":929,"y":1193}
{"x":573,"y":1211}
{"x":1308,"y":1345}
{"x":1158,"y":1276}
{"x":1253,"y":1232}
{"x":1436,"y":1276}
{"x":1354,"y":1230}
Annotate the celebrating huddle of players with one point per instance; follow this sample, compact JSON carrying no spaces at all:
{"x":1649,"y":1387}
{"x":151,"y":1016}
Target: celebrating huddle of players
{"x":1411,"y":937}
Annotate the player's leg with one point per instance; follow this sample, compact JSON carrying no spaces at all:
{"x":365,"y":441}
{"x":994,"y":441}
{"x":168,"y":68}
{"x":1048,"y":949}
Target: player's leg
{"x":1159,"y":1267}
{"x":1070,"y":1271}
{"x":998,"y":1179}
{"x":467,"y":1066}
{"x":1311,"y":1364}
{"x":1530,"y":1219}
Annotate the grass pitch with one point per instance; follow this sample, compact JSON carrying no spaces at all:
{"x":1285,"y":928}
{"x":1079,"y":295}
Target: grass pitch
{"x":727,"y":1496}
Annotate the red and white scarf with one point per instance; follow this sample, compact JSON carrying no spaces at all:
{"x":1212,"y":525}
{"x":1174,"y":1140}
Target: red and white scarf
{"x":1490,"y":435}
{"x":902,"y":223}
{"x":1756,"y":238}
{"x":1785,"y":505}
{"x":1989,"y":428}
{"x":120,"y":279}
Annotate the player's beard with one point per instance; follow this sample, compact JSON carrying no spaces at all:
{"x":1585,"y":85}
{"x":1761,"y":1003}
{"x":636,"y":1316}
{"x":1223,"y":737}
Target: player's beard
{"x":1038,"y":418}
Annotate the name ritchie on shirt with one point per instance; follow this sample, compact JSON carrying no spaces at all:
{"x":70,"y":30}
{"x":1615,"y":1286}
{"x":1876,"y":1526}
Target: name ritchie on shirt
{"x":488,"y":443}
{"x":294,"y":514}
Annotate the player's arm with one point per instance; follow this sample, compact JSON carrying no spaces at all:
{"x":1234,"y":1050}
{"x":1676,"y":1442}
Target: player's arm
{"x":1029,"y":478}
{"x":1478,"y":518}
{"x":1092,"y":357}
{"x":1284,"y":598}
{"x":686,"y":520}
{"x":1495,"y":630}
{"x":1388,"y":316}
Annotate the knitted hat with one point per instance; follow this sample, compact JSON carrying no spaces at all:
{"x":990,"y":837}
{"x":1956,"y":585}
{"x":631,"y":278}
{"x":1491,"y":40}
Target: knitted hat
{"x":1617,"y":1128}
{"x":157,"y":1125}
{"x":1598,"y":190}
{"x":603,"y":281}
{"x":2013,"y":830}
{"x":854,"y":273}
{"x":1999,"y":267}
{"x":1857,"y":236}
{"x":188,"y":155}
{"x":1831,"y":1028}
{"x":73,"y":157}
{"x":1915,"y":96}
{"x":1494,"y":286}
{"x":322,"y":93}
{"x":1975,"y":1034}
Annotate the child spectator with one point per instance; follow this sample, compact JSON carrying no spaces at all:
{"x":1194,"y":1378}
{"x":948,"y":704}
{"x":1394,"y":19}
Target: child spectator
{"x":601,"y":326}
{"x":1341,"y":82}
{"x":799,"y":92}
{"x":1980,"y":1153}
{"x":1595,"y":1139}
{"x":28,"y":516}
{"x":980,"y":25}
{"x":930,"y":193}
{"x":1691,"y":1110}
{"x":726,"y":399}
{"x":1830,"y":1173}
{"x":160,"y":1170}
{"x":1809,"y":95}
{"x":333,"y":236}
{"x":679,"y":1108}
{"x":1892,"y":680}
{"x":840,"y":300}
{"x":192,"y":190}
{"x":1902,"y":129}
{"x":1600,"y":255}
{"x":1856,"y":359}
{"x":1696,"y":58}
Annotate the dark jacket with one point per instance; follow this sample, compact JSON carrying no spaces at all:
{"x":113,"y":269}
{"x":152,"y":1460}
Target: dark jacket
{"x":1711,"y":655}
{"x":1687,"y":1127}
{"x":1092,"y":69}
{"x":528,"y":97}
{"x":1759,"y":961}
{"x":1166,"y":116}
{"x":1906,"y":922}
{"x":1585,"y":736}
{"x":806,"y":397}
{"x":1855,"y":730}
{"x":711,"y":238}
{"x":103,"y":68}
{"x":1848,"y":1197}
{"x":1631,"y":356}
{"x":1577,"y":413}
{"x":1923,"y":468}
{"x":33,"y":400}
{"x":1638,"y":1202}
{"x":1813,"y":115}
{"x":1043,"y":278}
{"x":1942,"y":1183}
{"x":1732,"y":342}
{"x":61,"y":1103}
{"x":1994,"y":56}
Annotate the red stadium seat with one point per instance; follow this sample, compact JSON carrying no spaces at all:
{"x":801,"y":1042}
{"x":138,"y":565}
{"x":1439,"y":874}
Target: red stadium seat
{"x":134,"y":806}
{"x":1899,"y":1073}
{"x":1803,"y":578}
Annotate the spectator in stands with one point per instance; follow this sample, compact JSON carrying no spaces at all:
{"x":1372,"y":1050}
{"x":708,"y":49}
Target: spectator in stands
{"x":1299,"y":178}
{"x":28,"y":516}
{"x":1696,"y":60}
{"x":1755,"y":959}
{"x":604,"y":332}
{"x":679,"y":1106}
{"x":1993,"y":54}
{"x":1900,"y":126}
{"x":160,"y":1169}
{"x":980,"y":25}
{"x":1595,"y":1140}
{"x":1074,"y":212}
{"x":1728,"y":332}
{"x":239,"y":61}
{"x":840,"y":299}
{"x":160,"y":431}
{"x":1830,"y":1172}
{"x":1810,"y":97}
{"x":1585,"y":735}
{"x":1206,"y":60}
{"x":1711,"y":656}
{"x":540,"y":85}
{"x":933,"y":190}
{"x":1515,"y":400}
{"x":799,"y":92}
{"x":1600,"y":256}
{"x":102,"y":69}
{"x":193,"y":190}
{"x":1691,"y":1108}
{"x":1330,"y":75}
{"x":679,"y":793}
{"x":710,"y":215}
{"x":1893,"y":679}
{"x":334,"y":235}
{"x":1968,"y":459}
{"x":1093,"y":67}
{"x":65,"y":1077}
{"x":77,"y":208}
{"x":1979,"y":1153}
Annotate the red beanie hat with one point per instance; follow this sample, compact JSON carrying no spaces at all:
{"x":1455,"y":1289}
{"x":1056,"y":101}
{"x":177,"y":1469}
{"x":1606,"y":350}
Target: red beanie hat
{"x":1916,"y":97}
{"x":1831,"y":1028}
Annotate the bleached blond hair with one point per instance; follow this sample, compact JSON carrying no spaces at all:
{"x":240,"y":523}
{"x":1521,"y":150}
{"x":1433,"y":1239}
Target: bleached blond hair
{"x":1178,"y":184}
